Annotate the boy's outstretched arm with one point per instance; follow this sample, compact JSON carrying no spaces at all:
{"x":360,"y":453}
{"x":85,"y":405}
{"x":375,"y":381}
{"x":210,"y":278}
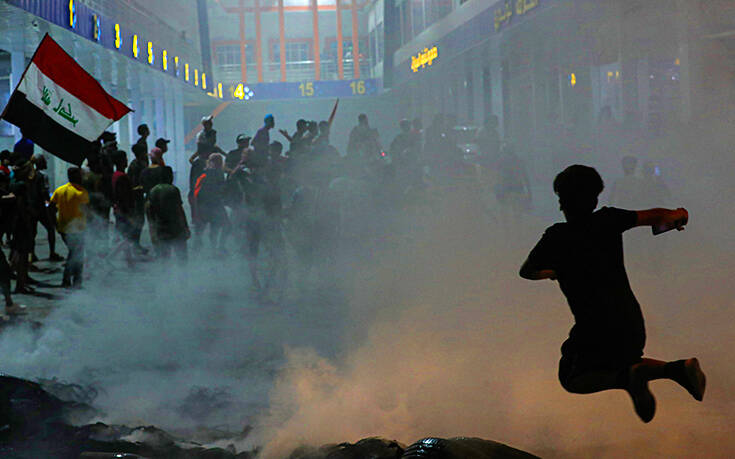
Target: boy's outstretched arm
{"x":657,"y":217}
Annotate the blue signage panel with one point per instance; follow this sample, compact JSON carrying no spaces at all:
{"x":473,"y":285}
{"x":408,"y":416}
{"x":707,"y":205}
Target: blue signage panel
{"x":82,"y":20}
{"x":304,"y":89}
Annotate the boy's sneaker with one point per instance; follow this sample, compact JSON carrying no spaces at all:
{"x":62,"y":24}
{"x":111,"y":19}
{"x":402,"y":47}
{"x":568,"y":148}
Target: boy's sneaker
{"x":643,"y":401}
{"x":695,"y":379}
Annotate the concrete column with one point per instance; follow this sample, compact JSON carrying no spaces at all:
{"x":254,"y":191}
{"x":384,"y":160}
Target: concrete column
{"x":168,"y":108}
{"x":158,"y":103}
{"x":478,"y":89}
{"x":181,"y":162}
{"x":17,"y":66}
{"x":496,"y":85}
{"x":149,"y":114}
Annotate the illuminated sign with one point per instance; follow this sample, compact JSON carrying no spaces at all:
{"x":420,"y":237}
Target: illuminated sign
{"x":196,"y":77}
{"x":302,"y":90}
{"x":573,"y":79}
{"x":81,"y":17}
{"x":424,"y":58}
{"x":242,"y":92}
{"x":96,"y":29}
{"x":186,"y":72}
{"x":219,"y":90}
{"x":176,"y":65}
{"x":118,"y":36}
{"x":504,"y":13}
{"x":72,"y":14}
{"x":204,"y":80}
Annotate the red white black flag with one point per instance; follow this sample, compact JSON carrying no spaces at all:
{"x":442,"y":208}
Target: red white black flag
{"x":59,"y":106}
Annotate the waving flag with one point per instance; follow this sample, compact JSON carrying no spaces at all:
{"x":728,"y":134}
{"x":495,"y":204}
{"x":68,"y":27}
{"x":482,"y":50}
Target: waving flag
{"x":59,"y":106}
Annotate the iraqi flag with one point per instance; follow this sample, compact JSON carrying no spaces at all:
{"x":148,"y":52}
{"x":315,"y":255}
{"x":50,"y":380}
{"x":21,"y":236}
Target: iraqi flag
{"x":59,"y":106}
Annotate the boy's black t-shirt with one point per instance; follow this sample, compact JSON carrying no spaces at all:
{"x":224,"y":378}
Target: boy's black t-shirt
{"x":587,"y":256}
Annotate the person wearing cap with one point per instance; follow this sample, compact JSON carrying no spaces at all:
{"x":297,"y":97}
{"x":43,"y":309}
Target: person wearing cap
{"x":206,"y":145}
{"x":239,"y":154}
{"x":262,"y":140}
{"x":162,"y":144}
{"x":207,"y":139}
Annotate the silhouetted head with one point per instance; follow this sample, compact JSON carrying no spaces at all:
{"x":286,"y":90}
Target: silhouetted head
{"x":276,"y":148}
{"x":362,"y":119}
{"x":301,"y":125}
{"x":207,"y":122}
{"x":120,"y":160}
{"x":243,"y":141}
{"x":162,"y":144}
{"x":74,"y":174}
{"x":139,"y":151}
{"x":156,"y":156}
{"x":269,"y":121}
{"x":578,"y":188}
{"x":405,"y":125}
{"x":215,"y":161}
{"x":629,"y":164}
{"x":313,"y":127}
{"x":143,"y":130}
{"x":39,"y":161}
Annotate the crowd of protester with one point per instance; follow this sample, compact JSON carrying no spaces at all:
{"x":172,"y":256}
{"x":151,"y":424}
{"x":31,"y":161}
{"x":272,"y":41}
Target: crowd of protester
{"x":260,"y":201}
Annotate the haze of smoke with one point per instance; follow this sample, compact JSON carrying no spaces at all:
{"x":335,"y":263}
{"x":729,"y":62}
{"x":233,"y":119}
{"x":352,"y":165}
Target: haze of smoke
{"x":150,"y":341}
{"x":459,"y":345}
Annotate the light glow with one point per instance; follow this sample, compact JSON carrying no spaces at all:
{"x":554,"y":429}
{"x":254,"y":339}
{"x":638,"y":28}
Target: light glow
{"x":118,"y":36}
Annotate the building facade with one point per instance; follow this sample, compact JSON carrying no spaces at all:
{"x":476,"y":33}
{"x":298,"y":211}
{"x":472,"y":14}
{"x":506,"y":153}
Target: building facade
{"x":578,"y":70}
{"x":144,"y":55}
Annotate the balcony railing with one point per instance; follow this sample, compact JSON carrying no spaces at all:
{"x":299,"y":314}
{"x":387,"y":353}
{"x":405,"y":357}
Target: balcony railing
{"x":295,"y":71}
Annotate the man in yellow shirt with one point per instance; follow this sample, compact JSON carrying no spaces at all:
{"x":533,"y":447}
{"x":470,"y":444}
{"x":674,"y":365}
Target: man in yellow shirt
{"x":71,"y":201}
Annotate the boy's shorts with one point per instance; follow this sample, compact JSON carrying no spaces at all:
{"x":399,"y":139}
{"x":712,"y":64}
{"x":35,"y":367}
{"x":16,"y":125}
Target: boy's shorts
{"x":577,"y":360}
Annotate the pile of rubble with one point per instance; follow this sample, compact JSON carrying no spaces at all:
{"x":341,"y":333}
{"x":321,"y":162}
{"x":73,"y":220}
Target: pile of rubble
{"x":36,"y":422}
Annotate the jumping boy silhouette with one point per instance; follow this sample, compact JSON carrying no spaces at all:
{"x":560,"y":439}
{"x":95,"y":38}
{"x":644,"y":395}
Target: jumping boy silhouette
{"x":585,"y":254}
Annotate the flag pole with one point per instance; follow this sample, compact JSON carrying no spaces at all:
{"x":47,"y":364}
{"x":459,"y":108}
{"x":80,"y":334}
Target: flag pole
{"x":334,"y":112}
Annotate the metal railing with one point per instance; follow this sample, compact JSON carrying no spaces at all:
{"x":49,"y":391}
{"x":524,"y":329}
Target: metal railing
{"x":295,"y":71}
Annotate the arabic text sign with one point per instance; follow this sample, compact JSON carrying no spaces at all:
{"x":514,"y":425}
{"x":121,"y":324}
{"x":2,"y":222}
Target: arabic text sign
{"x":424,"y":58}
{"x":503,"y":14}
{"x":62,"y":106}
